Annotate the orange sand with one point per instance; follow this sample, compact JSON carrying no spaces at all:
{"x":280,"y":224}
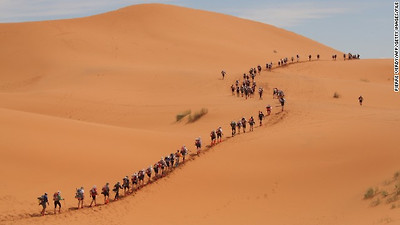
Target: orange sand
{"x":87,"y":101}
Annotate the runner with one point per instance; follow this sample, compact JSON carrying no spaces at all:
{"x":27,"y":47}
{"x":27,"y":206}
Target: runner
{"x":251,"y":123}
{"x":239,"y":125}
{"x":93,"y":194}
{"x":268,"y":110}
{"x":80,"y":195}
{"x":116,"y":188}
{"x":125,"y":185}
{"x":172,"y":160}
{"x":282,"y":101}
{"x":149,"y":172}
{"x":135,"y":180}
{"x":233,"y":126}
{"x":155,"y":168}
{"x":219,"y":134}
{"x":361,"y":99}
{"x":57,"y":198}
{"x":213,"y":136}
{"x":197,"y":143}
{"x":244,"y":122}
{"x":141,"y":178}
{"x":106,"y":192}
{"x":223,"y":74}
{"x":178,"y":156}
{"x":260,"y":91}
{"x":260,"y":117}
{"x":184,"y":152}
{"x":43,"y":200}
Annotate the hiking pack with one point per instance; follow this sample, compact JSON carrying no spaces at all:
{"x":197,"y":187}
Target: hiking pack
{"x":105,"y":190}
{"x":93,"y":192}
{"x":79,"y":193}
{"x":56,"y":196}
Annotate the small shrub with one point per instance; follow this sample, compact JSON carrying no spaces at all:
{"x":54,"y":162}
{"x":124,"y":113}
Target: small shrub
{"x":375,"y":202}
{"x":336,"y":95}
{"x":198,"y":115}
{"x":392,"y":199}
{"x":182,"y":115}
{"x":384,"y":194}
{"x":369,"y":194}
{"x":396,"y":175}
{"x":397,"y":189}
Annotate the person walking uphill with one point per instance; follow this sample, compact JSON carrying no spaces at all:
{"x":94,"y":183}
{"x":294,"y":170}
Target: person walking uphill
{"x":360,"y":99}
{"x":197,"y":143}
{"x":106,"y":192}
{"x":57,"y":198}
{"x":184,"y":152}
{"x":141,"y":177}
{"x":219,"y":134}
{"x":178,"y":155}
{"x":251,"y":123}
{"x":239,"y":125}
{"x":80,"y":195}
{"x":135,"y":179}
{"x":43,"y":200}
{"x":213,"y":136}
{"x":233,"y":125}
{"x":223,"y":74}
{"x":149,"y":171}
{"x":125,"y":185}
{"x":282,"y":101}
{"x":260,"y":117}
{"x":260,"y":92}
{"x":93,"y":194}
{"x":116,"y":188}
{"x":244,"y":122}
{"x":269,"y":108}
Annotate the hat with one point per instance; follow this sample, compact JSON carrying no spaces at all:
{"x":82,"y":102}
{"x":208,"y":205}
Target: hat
{"x":45,"y":193}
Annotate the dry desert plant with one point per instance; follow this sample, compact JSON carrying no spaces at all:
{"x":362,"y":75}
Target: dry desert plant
{"x":197,"y":115}
{"x":182,"y":115}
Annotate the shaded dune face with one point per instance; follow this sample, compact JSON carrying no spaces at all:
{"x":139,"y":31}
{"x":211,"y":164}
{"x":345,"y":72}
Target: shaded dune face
{"x":87,"y":101}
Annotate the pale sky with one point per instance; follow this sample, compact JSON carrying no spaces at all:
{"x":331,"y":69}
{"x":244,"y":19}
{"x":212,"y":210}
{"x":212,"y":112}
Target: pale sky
{"x":357,"y":26}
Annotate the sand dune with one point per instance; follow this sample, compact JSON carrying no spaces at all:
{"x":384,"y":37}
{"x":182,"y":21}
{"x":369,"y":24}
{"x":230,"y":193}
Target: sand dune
{"x":87,"y":101}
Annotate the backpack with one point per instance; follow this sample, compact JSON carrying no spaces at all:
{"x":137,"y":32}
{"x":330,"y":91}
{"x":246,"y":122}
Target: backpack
{"x":212,"y":134}
{"x":93,"y":192}
{"x":40,"y":199}
{"x":56,"y":197}
{"x":79,"y":193}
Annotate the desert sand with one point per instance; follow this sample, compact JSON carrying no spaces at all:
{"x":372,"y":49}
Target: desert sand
{"x":89,"y":100}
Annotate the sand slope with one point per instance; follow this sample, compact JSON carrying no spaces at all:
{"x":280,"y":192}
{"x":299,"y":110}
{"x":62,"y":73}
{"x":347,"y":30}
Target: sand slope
{"x":90,"y":100}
